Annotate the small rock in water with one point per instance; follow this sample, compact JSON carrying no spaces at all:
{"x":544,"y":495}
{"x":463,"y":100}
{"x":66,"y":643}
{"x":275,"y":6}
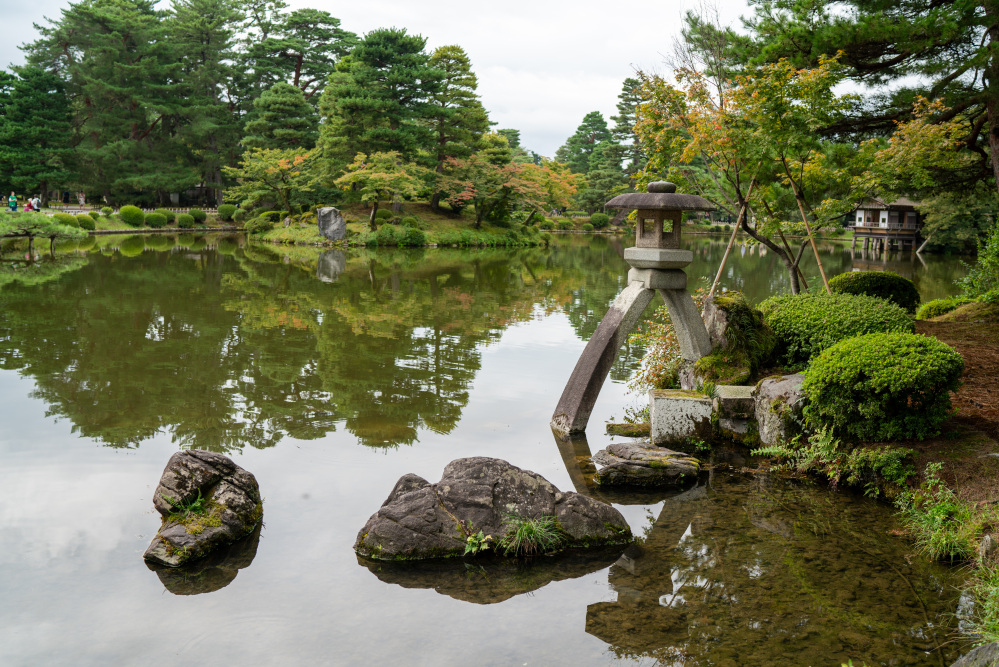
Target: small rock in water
{"x":643,"y":464}
{"x":206,"y":501}
{"x":422,"y":520}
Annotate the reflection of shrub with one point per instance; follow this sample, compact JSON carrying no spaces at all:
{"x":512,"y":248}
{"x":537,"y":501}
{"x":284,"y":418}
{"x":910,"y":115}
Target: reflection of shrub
{"x":883,"y":386}
{"x":132,"y":216}
{"x":159,"y":242}
{"x":166,"y":213}
{"x":227,"y":246}
{"x":198,"y":215}
{"x":186,"y":220}
{"x":226,"y":211}
{"x":185,"y":240}
{"x":86,"y":222}
{"x":806,"y":324}
{"x":156,"y":220}
{"x":882,"y":284}
{"x":940,"y":306}
{"x":239,"y":215}
{"x":66,"y":219}
{"x":132,"y":246}
{"x":599,"y":220}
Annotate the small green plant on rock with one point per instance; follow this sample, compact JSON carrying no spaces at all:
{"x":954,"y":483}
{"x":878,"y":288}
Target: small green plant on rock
{"x":529,"y":537}
{"x":477,"y":543}
{"x":184,"y":509}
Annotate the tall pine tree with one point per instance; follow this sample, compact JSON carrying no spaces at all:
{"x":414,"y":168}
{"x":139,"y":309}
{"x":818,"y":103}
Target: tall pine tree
{"x":282,"y":119}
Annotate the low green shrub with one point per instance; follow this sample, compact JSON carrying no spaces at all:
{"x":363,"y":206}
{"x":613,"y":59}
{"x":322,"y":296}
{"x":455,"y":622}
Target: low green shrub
{"x":226,"y":211}
{"x":932,"y":309}
{"x":983,"y":276}
{"x":410,"y":221}
{"x":166,"y":213}
{"x":384,"y":214}
{"x":86,"y":222}
{"x":186,"y":220}
{"x":412,"y":237}
{"x":883,"y":386}
{"x":239,"y":216}
{"x":564,"y":223}
{"x":546,"y":225}
{"x":132,"y":216}
{"x":587,"y":227}
{"x":806,"y":324}
{"x":716,"y":228}
{"x":198,"y":215}
{"x":156,"y":220}
{"x":107,"y":211}
{"x":385,"y":236}
{"x":94,"y":215}
{"x":882,"y":284}
{"x":599,"y":220}
{"x":259,"y":225}
{"x":66,"y":219}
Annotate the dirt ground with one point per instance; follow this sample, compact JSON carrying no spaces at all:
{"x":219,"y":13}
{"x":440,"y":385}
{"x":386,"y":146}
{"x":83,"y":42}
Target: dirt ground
{"x":969,"y":443}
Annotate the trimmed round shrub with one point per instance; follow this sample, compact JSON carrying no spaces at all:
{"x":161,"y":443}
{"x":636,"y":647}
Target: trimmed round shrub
{"x":599,"y":220}
{"x":132,"y":216}
{"x":239,"y":215}
{"x":546,"y":224}
{"x":94,"y":214}
{"x":226,"y":211}
{"x":410,"y":221}
{"x":937,"y":307}
{"x":587,"y":227}
{"x":186,"y":220}
{"x":156,"y":220}
{"x":198,"y":215}
{"x":383,"y":214}
{"x":107,"y":211}
{"x":86,"y":222}
{"x":878,"y":387}
{"x":882,"y":284}
{"x":66,"y":219}
{"x":166,"y":213}
{"x":564,"y":224}
{"x":806,"y":324}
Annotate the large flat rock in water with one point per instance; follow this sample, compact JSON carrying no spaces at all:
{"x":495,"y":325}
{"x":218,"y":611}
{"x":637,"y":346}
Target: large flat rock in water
{"x":422,"y":520}
{"x":643,"y":464}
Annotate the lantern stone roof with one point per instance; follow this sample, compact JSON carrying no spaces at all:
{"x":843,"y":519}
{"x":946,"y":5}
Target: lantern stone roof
{"x":661,"y":196}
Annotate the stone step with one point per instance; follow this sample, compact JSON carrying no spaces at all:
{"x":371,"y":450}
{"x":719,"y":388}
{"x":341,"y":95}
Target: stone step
{"x":733,"y":402}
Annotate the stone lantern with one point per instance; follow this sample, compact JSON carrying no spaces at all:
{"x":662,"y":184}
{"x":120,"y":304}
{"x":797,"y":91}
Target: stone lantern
{"x":657,"y":262}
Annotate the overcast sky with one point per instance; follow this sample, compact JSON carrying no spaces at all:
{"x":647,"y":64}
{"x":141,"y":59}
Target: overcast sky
{"x":542,"y":64}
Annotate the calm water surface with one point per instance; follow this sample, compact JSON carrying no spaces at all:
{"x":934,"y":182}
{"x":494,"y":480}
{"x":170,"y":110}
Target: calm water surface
{"x":329,"y":376}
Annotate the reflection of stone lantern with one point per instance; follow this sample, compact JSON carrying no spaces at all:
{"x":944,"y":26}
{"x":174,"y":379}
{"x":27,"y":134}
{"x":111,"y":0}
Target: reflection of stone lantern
{"x":657,"y":261}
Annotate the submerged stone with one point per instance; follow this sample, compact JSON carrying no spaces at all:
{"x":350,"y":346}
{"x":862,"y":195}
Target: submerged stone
{"x":206,"y":501}
{"x":643,"y":464}
{"x":983,"y":656}
{"x":420,"y":520}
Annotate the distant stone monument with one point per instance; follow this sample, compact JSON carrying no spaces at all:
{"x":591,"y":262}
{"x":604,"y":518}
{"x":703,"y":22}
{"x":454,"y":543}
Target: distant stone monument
{"x":331,"y":223}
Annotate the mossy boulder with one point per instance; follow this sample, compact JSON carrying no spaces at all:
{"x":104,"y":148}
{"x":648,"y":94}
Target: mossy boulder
{"x":644,"y":464}
{"x":207,"y":502}
{"x":741,"y":341}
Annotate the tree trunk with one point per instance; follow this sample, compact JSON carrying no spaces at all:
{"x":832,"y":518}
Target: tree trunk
{"x":44,"y":185}
{"x":992,"y":86}
{"x":371,"y":220}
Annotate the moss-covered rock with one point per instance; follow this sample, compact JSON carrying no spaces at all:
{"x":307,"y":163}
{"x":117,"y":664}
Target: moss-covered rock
{"x":740,"y":339}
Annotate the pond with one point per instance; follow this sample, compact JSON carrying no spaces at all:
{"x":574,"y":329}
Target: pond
{"x":331,"y":375}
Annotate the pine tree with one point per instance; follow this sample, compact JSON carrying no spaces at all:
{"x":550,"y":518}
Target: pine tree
{"x":577,"y":149}
{"x":282,"y":119}
{"x":379,"y":100}
{"x":623,"y":132}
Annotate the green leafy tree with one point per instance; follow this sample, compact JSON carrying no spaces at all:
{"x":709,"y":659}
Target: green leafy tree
{"x":457,"y":117}
{"x":35,"y":131}
{"x":37,"y":225}
{"x":579,"y":147}
{"x":379,"y":100}
{"x":382,"y":176}
{"x":283,"y":120}
{"x":270,"y":174}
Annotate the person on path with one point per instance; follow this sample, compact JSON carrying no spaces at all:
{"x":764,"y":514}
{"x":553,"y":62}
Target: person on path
{"x":37,"y":203}
{"x":12,"y":202}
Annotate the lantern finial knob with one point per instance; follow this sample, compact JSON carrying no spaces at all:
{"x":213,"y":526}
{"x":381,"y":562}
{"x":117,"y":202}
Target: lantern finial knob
{"x":661,"y":186}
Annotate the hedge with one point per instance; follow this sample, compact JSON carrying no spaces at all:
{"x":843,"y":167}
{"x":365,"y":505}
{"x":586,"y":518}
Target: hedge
{"x":166,"y":213}
{"x":86,"y":221}
{"x":66,"y":219}
{"x":156,"y":220}
{"x":806,"y":324}
{"x":599,"y":220}
{"x":239,"y":215}
{"x":886,"y":386}
{"x":882,"y":284}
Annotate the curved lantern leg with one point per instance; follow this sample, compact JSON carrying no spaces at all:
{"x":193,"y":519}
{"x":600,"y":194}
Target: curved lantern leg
{"x":690,"y":330}
{"x":581,"y":391}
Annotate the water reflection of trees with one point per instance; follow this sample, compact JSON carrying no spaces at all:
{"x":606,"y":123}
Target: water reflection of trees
{"x":751,"y":571}
{"x":227,"y":346}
